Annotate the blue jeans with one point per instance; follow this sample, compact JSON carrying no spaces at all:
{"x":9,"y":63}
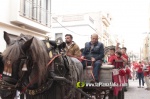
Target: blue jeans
{"x":141,"y":77}
{"x":96,"y":68}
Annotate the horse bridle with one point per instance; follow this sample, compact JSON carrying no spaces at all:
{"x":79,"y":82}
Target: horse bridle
{"x":4,"y":85}
{"x":10,"y":87}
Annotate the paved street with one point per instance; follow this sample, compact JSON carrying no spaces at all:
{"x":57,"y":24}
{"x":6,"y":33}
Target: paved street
{"x":136,"y":93}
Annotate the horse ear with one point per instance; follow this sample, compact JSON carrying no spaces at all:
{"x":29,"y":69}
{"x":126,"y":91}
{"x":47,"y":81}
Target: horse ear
{"x":62,"y":45}
{"x":6,"y":38}
{"x":27,"y":44}
{"x":53,"y":43}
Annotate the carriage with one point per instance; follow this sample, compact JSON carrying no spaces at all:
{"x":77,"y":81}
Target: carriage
{"x":38,"y":75}
{"x":112,"y":81}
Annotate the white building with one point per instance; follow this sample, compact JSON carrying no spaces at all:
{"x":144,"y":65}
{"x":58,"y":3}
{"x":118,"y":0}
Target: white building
{"x":81,"y":26}
{"x":30,"y":17}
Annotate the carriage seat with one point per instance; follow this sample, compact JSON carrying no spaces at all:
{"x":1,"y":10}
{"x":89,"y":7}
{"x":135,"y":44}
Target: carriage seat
{"x":105,"y":66}
{"x":105,"y":73}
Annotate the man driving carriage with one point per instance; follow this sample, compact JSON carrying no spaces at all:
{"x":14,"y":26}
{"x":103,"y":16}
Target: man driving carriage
{"x":72,"y":49}
{"x":94,"y":51}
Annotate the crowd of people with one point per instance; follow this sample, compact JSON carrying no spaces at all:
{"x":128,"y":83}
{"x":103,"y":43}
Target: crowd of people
{"x":94,"y":51}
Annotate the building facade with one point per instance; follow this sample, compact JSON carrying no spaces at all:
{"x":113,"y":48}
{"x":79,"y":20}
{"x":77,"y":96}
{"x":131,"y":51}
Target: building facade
{"x":81,"y":26}
{"x":31,"y":17}
{"x":145,"y":50}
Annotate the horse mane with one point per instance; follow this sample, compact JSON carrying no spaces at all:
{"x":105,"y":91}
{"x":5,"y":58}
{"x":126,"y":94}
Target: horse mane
{"x":40,"y":57}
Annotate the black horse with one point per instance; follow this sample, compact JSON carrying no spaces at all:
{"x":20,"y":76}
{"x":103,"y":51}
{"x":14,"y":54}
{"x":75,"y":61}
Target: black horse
{"x":29,"y":69}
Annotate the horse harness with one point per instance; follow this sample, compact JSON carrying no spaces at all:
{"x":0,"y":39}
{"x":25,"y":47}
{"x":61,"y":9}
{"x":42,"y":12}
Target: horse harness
{"x":59,"y":70}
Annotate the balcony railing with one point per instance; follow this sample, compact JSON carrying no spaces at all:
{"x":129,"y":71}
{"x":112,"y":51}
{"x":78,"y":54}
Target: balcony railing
{"x":36,"y":10}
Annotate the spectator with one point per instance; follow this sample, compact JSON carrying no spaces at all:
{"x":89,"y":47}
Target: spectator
{"x":133,"y":72}
{"x":140,"y":74}
{"x":112,"y":57}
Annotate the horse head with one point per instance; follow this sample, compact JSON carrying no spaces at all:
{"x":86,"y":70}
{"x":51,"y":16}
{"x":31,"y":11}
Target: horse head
{"x":58,"y":45}
{"x":24,"y":59}
{"x":25,"y":63}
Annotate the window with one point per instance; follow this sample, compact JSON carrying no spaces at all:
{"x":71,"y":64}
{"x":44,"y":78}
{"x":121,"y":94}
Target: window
{"x":37,"y":10}
{"x":57,"y":35}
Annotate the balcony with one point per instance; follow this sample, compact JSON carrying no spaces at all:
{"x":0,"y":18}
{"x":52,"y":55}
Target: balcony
{"x":105,"y":21}
{"x":31,"y":15}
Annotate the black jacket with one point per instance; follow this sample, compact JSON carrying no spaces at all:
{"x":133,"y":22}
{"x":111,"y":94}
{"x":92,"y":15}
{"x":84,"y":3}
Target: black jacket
{"x":97,"y":51}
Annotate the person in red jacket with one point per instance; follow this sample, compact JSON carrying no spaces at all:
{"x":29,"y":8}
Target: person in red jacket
{"x":135,"y":64}
{"x":125,"y":56}
{"x":140,"y":74}
{"x":112,"y":57}
{"x":116,"y":58}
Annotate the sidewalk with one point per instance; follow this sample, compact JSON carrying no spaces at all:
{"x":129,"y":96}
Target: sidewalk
{"x":136,"y":93}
